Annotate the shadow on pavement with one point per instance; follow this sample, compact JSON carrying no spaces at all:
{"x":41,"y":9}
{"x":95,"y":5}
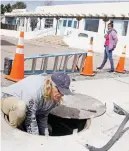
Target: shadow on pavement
{"x":4,"y":42}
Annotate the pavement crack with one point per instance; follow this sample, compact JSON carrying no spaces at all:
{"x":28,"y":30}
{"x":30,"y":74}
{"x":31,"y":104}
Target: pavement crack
{"x":121,"y":81}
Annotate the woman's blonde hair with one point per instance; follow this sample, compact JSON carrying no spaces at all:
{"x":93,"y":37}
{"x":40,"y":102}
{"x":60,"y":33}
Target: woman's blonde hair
{"x":48,"y":86}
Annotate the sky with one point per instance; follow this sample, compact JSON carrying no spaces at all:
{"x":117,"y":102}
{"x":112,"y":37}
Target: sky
{"x":31,"y":5}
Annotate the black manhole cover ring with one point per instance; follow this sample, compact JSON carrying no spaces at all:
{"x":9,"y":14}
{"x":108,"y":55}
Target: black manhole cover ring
{"x":76,"y":107}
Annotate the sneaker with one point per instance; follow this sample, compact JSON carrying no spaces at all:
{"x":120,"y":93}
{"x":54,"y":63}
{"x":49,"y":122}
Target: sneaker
{"x":99,"y":68}
{"x":111,"y":70}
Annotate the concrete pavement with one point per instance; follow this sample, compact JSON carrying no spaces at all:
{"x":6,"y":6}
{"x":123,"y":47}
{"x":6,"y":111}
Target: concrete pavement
{"x":107,"y":88}
{"x":8,"y":49}
{"x":101,"y":129}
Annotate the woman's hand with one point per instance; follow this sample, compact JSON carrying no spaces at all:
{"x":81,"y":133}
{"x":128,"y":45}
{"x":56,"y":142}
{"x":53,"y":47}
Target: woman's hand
{"x":46,"y":132}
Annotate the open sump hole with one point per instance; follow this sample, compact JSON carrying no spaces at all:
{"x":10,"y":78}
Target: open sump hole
{"x":74,"y":114}
{"x":62,"y":126}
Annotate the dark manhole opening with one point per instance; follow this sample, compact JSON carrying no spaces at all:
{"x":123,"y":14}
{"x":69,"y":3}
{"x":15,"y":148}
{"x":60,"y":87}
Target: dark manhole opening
{"x":63,"y":126}
{"x":66,"y":120}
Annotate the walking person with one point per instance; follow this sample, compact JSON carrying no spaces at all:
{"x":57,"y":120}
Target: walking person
{"x":28,"y":102}
{"x":110,"y":45}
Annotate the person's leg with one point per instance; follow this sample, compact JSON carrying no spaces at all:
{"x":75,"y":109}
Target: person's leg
{"x":104,"y":59}
{"x":111,"y":61}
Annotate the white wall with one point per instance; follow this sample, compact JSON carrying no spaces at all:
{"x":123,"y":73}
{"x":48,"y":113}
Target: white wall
{"x":98,"y":45}
{"x":99,"y":40}
{"x":28,"y":35}
{"x":54,"y":22}
{"x":42,"y":23}
{"x":3,"y":19}
{"x":70,"y":40}
{"x":101,"y":26}
{"x":82,"y":24}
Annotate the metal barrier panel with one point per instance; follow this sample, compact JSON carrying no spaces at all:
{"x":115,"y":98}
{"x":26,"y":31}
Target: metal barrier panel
{"x":82,"y":62}
{"x":74,"y":63}
{"x":33,"y":65}
{"x":56,"y":63}
{"x":48,"y":63}
{"x":65,"y":63}
{"x":45,"y":64}
{"x":41,"y":68}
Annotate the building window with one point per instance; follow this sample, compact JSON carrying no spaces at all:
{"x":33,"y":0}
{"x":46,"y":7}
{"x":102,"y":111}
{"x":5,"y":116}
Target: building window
{"x":9,"y":22}
{"x":48,"y":22}
{"x":83,"y":35}
{"x":91,"y":25}
{"x":125,"y":27}
{"x":75,"y":24}
{"x":18,"y":21}
{"x":69,"y":23}
{"x":64,"y":23}
{"x":121,"y":27}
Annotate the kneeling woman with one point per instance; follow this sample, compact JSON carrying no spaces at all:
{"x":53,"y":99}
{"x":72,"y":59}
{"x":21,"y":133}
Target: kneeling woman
{"x":30,"y":101}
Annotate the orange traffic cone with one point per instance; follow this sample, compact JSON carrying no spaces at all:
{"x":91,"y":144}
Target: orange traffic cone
{"x":121,"y":63}
{"x":17,"y":72}
{"x":88,"y":65}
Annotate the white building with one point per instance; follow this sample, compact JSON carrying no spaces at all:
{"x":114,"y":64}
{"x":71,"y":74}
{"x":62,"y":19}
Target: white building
{"x":90,"y":19}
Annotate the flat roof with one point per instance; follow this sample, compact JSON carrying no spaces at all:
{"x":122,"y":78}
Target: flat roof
{"x":100,"y":10}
